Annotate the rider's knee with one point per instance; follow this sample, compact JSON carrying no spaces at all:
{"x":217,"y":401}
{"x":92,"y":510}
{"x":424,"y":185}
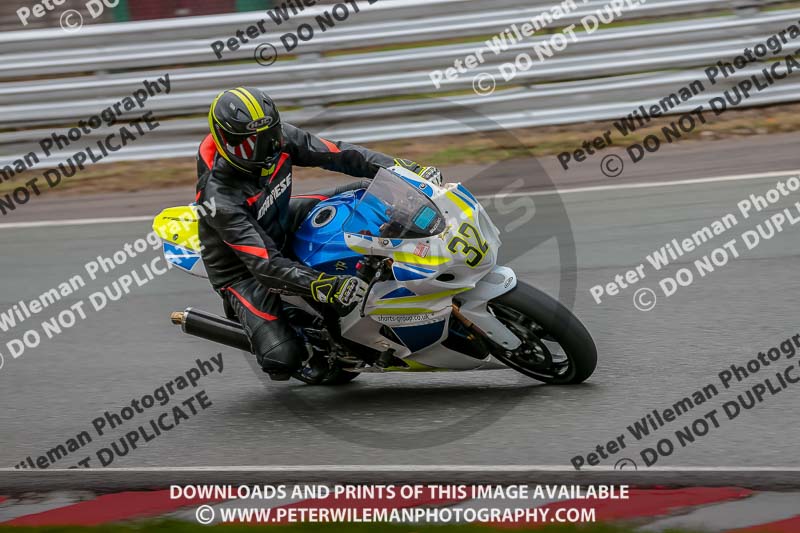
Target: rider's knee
{"x":281,"y":360}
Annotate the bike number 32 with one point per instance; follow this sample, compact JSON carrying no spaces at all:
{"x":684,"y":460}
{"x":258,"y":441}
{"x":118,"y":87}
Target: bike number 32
{"x":460,"y":244}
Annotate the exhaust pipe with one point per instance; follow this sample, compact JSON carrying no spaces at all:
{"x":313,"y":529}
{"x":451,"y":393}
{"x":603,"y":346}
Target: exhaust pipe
{"x":212,"y":327}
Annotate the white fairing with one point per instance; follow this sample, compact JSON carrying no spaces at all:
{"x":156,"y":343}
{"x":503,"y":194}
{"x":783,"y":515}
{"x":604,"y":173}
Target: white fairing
{"x":473,"y":306}
{"x":460,"y":259}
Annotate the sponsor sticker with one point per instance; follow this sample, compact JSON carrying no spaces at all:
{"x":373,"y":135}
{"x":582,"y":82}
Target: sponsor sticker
{"x":260,"y":123}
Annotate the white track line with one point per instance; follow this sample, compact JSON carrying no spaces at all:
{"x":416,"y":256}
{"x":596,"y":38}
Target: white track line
{"x":572,"y":190}
{"x":647,"y":185}
{"x":74,"y":222}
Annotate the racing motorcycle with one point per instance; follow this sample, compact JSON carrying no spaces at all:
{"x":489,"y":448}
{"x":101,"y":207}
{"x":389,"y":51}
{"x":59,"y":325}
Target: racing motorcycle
{"x":436,"y":298}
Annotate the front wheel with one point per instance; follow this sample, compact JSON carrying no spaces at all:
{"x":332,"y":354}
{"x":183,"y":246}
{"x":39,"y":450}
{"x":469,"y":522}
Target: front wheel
{"x":556,"y":348}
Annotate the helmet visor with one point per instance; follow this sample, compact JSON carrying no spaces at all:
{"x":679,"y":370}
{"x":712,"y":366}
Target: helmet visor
{"x":261,"y":148}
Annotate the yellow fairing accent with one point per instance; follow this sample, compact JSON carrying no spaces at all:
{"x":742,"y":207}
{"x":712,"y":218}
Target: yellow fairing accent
{"x":359,"y":249}
{"x":406,"y":257}
{"x":178,"y":225}
{"x":414,"y":366}
{"x":460,"y":203}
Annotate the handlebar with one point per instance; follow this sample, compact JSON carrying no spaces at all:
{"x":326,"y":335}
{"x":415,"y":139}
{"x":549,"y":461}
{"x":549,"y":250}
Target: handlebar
{"x":372,"y":270}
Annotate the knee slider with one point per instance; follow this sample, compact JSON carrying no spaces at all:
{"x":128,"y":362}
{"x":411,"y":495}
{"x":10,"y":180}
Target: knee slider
{"x":284,"y":357}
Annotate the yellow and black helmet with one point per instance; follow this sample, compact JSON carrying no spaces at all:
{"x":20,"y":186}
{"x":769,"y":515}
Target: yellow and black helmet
{"x":246,"y":128}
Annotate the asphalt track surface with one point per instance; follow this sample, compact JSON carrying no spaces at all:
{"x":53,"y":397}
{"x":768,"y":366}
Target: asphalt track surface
{"x":647,"y":360}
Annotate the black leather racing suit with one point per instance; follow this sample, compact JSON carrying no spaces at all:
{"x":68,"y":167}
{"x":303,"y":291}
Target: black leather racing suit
{"x":244,"y":242}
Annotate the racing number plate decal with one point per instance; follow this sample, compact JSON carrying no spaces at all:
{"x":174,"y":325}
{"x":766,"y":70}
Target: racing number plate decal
{"x":460,"y":244}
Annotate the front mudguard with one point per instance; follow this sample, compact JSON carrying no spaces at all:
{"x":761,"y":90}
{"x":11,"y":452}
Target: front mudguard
{"x":473,"y":306}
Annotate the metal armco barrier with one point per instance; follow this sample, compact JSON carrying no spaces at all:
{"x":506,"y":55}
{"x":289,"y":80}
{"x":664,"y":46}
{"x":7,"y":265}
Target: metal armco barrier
{"x":51,"y":78}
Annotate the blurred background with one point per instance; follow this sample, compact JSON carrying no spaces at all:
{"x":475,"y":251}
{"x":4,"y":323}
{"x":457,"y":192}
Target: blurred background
{"x":127,"y":10}
{"x":368,"y":80}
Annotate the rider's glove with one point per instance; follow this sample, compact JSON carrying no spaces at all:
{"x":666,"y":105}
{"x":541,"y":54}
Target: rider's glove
{"x":343,"y":292}
{"x":432,"y":174}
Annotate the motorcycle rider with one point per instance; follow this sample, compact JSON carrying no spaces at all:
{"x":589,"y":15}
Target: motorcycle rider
{"x":245,"y":164}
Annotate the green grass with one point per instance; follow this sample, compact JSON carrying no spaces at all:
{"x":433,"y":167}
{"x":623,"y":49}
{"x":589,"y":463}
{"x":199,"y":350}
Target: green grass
{"x":471,"y":148}
{"x":188,"y":527}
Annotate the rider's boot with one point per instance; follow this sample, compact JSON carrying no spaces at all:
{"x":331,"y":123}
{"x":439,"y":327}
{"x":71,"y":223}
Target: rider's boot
{"x":316,"y":367}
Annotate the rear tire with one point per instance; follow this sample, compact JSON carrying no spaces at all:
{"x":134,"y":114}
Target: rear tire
{"x":541,"y":321}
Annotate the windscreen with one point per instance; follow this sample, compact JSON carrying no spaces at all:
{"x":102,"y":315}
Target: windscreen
{"x":393,"y":208}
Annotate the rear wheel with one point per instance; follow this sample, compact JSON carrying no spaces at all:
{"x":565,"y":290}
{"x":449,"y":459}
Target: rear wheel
{"x":556,"y":348}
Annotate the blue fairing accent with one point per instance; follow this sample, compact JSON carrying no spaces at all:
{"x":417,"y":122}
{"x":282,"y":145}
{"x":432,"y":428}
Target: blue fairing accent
{"x":417,"y":268}
{"x":464,"y":191}
{"x":180,"y":256}
{"x":324,"y":248}
{"x":417,"y":338}
{"x":398,"y":293}
{"x":420,"y":184}
{"x":368,"y":218}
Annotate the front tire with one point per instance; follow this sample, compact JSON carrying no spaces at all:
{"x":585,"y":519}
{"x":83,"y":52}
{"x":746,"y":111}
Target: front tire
{"x":556,"y":347}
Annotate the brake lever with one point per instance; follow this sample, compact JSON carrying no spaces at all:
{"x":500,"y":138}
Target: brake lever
{"x":376,"y":277}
